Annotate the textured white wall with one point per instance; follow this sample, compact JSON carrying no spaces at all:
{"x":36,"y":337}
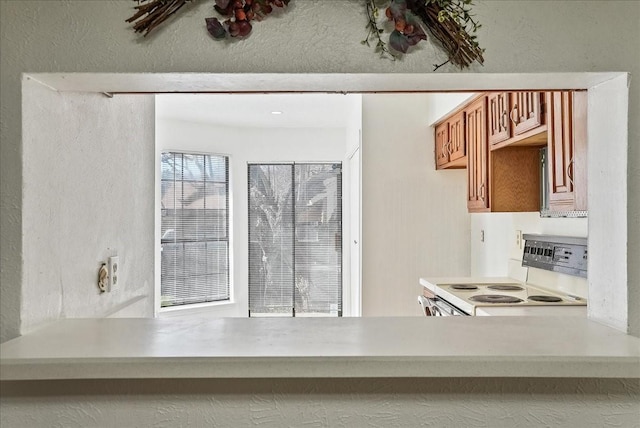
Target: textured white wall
{"x":243,"y":146}
{"x":414,"y":218}
{"x":87,"y":191}
{"x":438,"y":402}
{"x":320,"y":36}
{"x":520,"y":36}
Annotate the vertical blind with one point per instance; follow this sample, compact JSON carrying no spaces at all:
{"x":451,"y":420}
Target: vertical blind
{"x":195,"y":228}
{"x":295,"y":239}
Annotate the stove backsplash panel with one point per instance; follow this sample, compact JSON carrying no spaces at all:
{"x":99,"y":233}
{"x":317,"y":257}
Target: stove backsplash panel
{"x":560,"y":254}
{"x":556,"y":262}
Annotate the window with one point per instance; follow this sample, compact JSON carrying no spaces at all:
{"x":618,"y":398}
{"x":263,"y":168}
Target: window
{"x":194,"y":229}
{"x":295,"y":239}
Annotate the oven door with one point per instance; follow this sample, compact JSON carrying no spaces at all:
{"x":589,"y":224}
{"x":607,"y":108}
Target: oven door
{"x":446,"y":309}
{"x":436,"y":307}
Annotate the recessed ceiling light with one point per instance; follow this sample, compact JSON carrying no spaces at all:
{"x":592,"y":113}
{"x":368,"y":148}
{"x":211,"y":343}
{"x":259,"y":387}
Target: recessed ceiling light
{"x":276,"y":112}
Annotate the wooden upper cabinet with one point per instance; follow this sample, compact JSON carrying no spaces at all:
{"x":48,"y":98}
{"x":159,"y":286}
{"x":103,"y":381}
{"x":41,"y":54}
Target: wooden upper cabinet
{"x":516,"y":118}
{"x":499,"y":125}
{"x":498,"y":137}
{"x":526,"y":111}
{"x":506,"y":180}
{"x":477,"y":156}
{"x":566,"y":150}
{"x":450,"y":146}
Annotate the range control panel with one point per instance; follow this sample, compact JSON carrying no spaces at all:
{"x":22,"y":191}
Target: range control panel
{"x":562,"y":254}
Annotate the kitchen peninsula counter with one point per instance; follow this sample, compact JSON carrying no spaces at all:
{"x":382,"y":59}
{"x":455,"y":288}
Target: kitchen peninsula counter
{"x":321,"y":348}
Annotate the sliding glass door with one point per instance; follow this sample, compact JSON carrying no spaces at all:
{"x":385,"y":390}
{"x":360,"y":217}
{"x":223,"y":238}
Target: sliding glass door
{"x":295,"y":239}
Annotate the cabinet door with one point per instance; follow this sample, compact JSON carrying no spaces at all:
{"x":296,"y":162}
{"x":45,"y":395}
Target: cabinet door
{"x":457,"y":146}
{"x":566,"y":150}
{"x":526,"y":111}
{"x":477,"y":148}
{"x":442,"y":141}
{"x":499,"y":125}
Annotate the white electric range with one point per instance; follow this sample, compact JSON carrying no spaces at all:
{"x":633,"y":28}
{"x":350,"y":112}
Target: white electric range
{"x":496,"y":296}
{"x":548,"y":259}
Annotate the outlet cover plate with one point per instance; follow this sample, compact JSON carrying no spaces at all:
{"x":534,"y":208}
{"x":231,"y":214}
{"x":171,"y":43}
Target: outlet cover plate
{"x":114,"y":273}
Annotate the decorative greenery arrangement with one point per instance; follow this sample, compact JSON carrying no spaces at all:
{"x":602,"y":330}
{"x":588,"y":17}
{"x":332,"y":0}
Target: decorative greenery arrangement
{"x":449,"y":21}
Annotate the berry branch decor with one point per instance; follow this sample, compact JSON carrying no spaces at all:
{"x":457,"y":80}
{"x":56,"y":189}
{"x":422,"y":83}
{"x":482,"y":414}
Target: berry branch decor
{"x":239,"y":13}
{"x":449,"y":21}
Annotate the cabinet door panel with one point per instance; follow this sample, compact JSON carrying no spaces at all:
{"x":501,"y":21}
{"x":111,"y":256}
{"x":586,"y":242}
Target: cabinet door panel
{"x":477,"y":168}
{"x":526,"y":111}
{"x":560,"y":149}
{"x":499,"y":125}
{"x":567,"y":148}
{"x":442,"y":139}
{"x":457,"y":146}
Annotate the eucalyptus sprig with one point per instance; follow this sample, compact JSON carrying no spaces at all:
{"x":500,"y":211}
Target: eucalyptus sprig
{"x":374,"y":32}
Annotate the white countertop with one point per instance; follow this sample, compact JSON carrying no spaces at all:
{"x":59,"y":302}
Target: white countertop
{"x":321,"y":347}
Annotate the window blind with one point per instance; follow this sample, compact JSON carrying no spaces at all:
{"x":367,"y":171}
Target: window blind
{"x":194,"y":228}
{"x":295,"y":239}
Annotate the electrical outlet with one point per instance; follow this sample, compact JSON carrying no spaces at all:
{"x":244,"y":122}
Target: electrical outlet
{"x":114,"y":273}
{"x":519,"y":239}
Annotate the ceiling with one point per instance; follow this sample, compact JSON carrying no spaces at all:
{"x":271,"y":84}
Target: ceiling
{"x":255,"y":110}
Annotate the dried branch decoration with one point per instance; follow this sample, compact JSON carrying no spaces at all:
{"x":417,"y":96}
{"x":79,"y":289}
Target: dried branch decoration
{"x":449,"y":21}
{"x":156,"y":11}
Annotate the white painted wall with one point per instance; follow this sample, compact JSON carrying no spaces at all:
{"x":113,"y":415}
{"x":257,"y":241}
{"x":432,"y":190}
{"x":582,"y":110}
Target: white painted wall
{"x":519,"y":36}
{"x":83,"y":153}
{"x":604,"y":152}
{"x":414,"y":218}
{"x":243,"y":146}
{"x":352,"y":239}
{"x":440,"y":105}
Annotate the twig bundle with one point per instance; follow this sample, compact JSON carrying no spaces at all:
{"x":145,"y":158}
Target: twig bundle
{"x":462,"y":48}
{"x":156,"y":11}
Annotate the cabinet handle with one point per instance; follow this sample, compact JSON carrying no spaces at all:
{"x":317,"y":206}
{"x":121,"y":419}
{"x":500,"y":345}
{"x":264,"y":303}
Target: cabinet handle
{"x":514,"y":110}
{"x":504,"y":120}
{"x":449,"y":148}
{"x":482,"y":192}
{"x":569,"y":171}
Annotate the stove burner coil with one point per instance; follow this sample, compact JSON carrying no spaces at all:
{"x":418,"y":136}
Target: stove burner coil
{"x":550,"y":299}
{"x":505,"y":287}
{"x":495,"y":298}
{"x":463,"y":287}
